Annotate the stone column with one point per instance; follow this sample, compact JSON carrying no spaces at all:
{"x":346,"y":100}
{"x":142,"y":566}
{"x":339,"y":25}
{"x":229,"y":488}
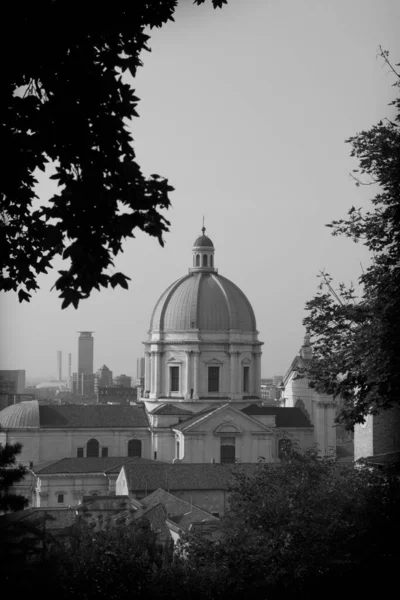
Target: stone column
{"x":239,"y":387}
{"x":151,"y":373}
{"x":257,"y":374}
{"x":188,"y":377}
{"x":146,"y":373}
{"x":234,"y":375}
{"x":196,"y":368}
{"x":157,"y":373}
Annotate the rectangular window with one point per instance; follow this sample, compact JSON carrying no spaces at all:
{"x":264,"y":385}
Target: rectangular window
{"x":174,"y":379}
{"x":60,"y":498}
{"x":228,"y":450}
{"x":79,"y":452}
{"x":104,"y":451}
{"x":213,"y":379}
{"x":246,"y":378}
{"x":178,"y":450}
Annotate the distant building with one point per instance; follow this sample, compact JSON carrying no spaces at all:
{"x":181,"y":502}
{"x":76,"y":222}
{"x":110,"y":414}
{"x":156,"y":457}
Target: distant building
{"x":104,"y":378}
{"x":116,"y":395}
{"x":123,"y":380}
{"x":140,"y":376}
{"x":8,"y":399}
{"x":83,"y":383}
{"x":12,"y":382}
{"x":277,"y":379}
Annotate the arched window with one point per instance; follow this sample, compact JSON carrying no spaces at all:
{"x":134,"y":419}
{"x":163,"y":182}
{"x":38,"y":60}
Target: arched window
{"x":134,"y":448}
{"x":92,"y":448}
{"x":204,"y":260}
{"x":197,"y":260}
{"x":228,"y":450}
{"x":211,"y":261}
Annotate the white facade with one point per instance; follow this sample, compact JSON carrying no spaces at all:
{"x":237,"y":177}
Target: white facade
{"x":321,"y":408}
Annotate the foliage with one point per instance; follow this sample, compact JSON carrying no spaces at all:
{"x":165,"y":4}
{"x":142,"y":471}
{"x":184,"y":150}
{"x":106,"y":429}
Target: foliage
{"x":65,"y":103}
{"x":10,"y":473}
{"x":292,"y":529}
{"x":356,"y":340}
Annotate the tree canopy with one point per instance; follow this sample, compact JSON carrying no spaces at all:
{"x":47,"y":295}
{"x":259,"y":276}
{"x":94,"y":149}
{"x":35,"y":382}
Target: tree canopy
{"x":356,"y":338}
{"x":297,"y":529}
{"x":10,"y":473}
{"x":65,"y":103}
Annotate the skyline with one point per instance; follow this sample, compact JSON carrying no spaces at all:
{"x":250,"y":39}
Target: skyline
{"x":250,"y":130}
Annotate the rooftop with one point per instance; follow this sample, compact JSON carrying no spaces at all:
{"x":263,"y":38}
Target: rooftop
{"x":184,"y":476}
{"x":109,"y":464}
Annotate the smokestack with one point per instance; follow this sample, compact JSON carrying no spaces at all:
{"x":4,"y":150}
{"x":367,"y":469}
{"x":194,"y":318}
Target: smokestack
{"x":59,"y":365}
{"x":69,"y":372}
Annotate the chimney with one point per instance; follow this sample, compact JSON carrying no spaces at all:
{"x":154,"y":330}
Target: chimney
{"x":59,"y":365}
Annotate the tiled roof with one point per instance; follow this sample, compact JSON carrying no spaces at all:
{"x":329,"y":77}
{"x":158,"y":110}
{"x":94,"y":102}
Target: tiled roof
{"x":285,"y":417}
{"x":109,"y":464}
{"x":179,"y":511}
{"x":181,"y":476}
{"x":171,"y":409}
{"x":55,"y":518}
{"x":92,"y":416}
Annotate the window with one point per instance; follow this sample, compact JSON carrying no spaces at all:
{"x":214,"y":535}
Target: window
{"x":284,"y":448}
{"x":197,"y":260}
{"x":204,"y":260}
{"x":134,"y":448}
{"x":155,"y":454}
{"x":228,"y":450}
{"x":213,"y":379}
{"x":79,"y":452}
{"x":246,"y":378}
{"x":60,"y":498}
{"x":92,"y":448}
{"x":104,"y":452}
{"x":174,"y":379}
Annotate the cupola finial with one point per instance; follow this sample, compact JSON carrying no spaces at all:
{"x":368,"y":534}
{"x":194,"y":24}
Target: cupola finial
{"x":203,"y":228}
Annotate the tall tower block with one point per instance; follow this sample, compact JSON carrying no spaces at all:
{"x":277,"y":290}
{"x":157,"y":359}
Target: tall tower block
{"x":85,"y":352}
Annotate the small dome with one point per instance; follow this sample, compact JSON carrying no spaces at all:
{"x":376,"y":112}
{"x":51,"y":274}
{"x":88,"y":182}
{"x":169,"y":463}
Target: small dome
{"x":203,"y":240}
{"x":20,"y":416}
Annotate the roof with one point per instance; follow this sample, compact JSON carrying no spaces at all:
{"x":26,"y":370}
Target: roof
{"x":183,"y":476}
{"x":298,"y":364}
{"x":19,"y":416}
{"x":54,"y":518}
{"x":92,"y":416}
{"x":285,"y":417}
{"x":109,"y":464}
{"x":179,"y":511}
{"x":205,"y":301}
{"x":171,"y":409}
{"x":31,"y":414}
{"x":203,"y":240}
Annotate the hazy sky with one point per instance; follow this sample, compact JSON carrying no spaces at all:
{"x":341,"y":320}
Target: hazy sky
{"x":245,"y":110}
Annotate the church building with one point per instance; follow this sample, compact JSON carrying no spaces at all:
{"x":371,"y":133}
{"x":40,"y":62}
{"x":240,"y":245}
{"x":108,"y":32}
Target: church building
{"x":201,"y":399}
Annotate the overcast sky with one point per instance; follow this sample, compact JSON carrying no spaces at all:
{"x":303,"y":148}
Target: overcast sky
{"x":246,"y":111}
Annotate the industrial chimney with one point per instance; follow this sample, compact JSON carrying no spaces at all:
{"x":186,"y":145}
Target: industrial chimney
{"x":59,"y":365}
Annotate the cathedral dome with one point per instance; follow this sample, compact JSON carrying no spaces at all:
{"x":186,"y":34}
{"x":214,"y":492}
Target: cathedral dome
{"x":203,"y":299}
{"x":20,"y":416}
